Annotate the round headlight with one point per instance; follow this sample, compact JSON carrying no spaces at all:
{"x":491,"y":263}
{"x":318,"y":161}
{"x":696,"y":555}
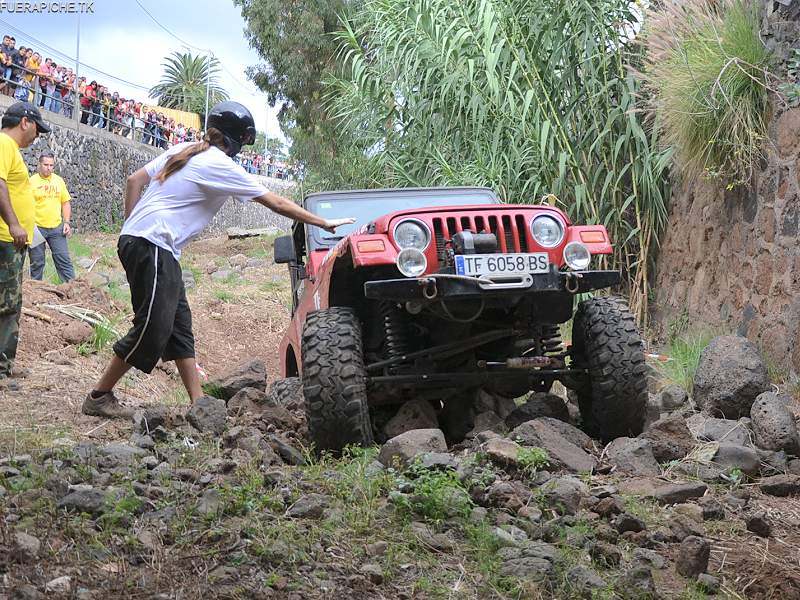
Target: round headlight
{"x":577,"y":256}
{"x":412,"y":234}
{"x":411,"y":262}
{"x":547,"y":231}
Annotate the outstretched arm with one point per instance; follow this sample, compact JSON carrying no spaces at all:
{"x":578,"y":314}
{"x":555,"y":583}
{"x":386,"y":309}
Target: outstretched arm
{"x":287,"y":208}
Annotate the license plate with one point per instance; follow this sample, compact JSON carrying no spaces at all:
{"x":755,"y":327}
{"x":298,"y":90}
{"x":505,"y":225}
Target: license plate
{"x":501,"y":264}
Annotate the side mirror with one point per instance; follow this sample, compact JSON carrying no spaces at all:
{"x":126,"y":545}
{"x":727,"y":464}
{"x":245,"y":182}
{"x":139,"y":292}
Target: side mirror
{"x":283,"y":250}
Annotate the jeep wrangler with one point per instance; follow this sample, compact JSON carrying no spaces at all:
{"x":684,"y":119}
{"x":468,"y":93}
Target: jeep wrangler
{"x":436,"y":293}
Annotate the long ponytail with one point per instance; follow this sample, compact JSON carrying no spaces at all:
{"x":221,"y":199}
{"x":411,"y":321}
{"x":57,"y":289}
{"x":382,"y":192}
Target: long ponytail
{"x":176,"y":162}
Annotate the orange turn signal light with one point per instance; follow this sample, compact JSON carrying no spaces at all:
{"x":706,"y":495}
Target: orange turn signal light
{"x":371,"y":246}
{"x":591,"y":237}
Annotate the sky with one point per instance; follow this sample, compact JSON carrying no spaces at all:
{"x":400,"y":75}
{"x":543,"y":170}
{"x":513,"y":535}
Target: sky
{"x":118,"y":37}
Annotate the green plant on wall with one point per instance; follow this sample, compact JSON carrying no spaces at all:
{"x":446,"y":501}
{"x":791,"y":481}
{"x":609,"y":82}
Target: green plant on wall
{"x":707,"y":69}
{"x":791,"y":89}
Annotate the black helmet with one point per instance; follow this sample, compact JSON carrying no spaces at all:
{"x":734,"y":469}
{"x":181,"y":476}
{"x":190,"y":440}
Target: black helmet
{"x":236,"y":124}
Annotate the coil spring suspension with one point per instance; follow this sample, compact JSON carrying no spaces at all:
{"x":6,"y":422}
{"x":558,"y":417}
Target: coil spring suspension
{"x":395,"y":326}
{"x":551,"y":340}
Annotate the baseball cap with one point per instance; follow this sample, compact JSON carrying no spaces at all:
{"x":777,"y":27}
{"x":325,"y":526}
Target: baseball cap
{"x":26,"y":109}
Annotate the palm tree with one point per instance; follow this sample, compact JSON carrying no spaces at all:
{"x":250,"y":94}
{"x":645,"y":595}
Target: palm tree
{"x":183,"y":84}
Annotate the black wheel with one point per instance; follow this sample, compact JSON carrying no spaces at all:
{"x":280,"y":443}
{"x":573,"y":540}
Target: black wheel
{"x":334,"y":380}
{"x":286,"y":392}
{"x":613,"y":398}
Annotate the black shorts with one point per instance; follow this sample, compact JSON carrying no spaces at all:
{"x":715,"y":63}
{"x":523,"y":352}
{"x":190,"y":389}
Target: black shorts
{"x":162,"y":321}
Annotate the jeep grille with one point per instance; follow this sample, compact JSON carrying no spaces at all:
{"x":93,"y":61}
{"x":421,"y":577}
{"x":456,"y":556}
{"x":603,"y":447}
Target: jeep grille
{"x":510,"y":230}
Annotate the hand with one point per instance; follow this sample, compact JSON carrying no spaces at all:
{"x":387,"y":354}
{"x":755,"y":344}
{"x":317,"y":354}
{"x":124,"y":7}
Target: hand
{"x":18,"y":235}
{"x":67,"y":229}
{"x":330,"y":226}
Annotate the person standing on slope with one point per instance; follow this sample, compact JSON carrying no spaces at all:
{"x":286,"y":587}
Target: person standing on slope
{"x":188,"y":184}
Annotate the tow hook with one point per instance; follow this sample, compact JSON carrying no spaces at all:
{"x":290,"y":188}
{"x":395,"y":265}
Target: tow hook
{"x":429,"y":288}
{"x":572,"y":285}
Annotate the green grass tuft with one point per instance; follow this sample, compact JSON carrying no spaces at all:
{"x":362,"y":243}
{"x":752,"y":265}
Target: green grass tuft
{"x":707,"y":68}
{"x":684,"y":355}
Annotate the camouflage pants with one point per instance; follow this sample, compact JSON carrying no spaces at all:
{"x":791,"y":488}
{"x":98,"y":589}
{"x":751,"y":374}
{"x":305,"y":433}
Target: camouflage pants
{"x":11,"y":262}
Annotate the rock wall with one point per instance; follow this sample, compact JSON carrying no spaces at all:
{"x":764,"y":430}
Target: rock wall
{"x":729,"y":260}
{"x":95,"y":164}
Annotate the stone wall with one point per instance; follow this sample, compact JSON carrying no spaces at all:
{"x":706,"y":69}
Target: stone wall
{"x":729,"y":260}
{"x":95,"y":163}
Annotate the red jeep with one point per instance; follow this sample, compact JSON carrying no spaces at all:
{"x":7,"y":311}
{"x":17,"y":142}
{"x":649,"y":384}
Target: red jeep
{"x":435,"y":293}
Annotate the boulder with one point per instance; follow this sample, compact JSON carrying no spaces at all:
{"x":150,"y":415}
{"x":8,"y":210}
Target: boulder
{"x":486,"y":401}
{"x":487,"y":421}
{"x":675,"y":493}
{"x":682,"y":527}
{"x":502,"y":451}
{"x":89,"y":501}
{"x":773,"y":424}
{"x":210,"y":503}
{"x":637,"y":583}
{"x":758,"y":524}
{"x":669,"y":438}
{"x":539,"y":404}
{"x":208,"y":415}
{"x":77,"y":332}
{"x":730,"y":375}
{"x":693,"y":556}
{"x":25,"y":547}
{"x":731,"y":456}
{"x":673,"y":397}
{"x":564,"y":494}
{"x":781,"y":485}
{"x":633,"y":456}
{"x":310,"y":506}
{"x":150,"y":418}
{"x":406,"y":446}
{"x":711,"y":429}
{"x":562,"y":453}
{"x":585,"y":581}
{"x":250,"y":374}
{"x":247,"y":400}
{"x":416,"y":414}
{"x":627,"y":522}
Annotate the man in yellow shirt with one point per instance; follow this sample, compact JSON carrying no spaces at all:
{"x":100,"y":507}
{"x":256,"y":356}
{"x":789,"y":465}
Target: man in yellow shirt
{"x":19,"y":127}
{"x":53,"y":212}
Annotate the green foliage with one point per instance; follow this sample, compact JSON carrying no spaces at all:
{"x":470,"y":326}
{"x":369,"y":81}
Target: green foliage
{"x":224,"y":295}
{"x":270,"y":145}
{"x":707,"y":68}
{"x":791,"y":88}
{"x":683,"y":352}
{"x":184,"y":82}
{"x":532,"y":459}
{"x":436,"y":496}
{"x":525,"y":98}
{"x":212,"y":389}
{"x":104,"y":334}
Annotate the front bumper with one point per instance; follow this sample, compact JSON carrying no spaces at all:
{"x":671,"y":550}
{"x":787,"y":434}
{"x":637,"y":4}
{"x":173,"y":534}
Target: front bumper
{"x":437,"y":286}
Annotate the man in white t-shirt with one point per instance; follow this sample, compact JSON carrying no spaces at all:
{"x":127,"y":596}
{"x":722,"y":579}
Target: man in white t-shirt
{"x":188,"y":184}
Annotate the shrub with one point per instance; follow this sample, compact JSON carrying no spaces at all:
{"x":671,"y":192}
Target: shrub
{"x":707,"y":69}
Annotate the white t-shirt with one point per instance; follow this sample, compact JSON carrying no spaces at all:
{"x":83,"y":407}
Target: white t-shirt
{"x":170,"y":214}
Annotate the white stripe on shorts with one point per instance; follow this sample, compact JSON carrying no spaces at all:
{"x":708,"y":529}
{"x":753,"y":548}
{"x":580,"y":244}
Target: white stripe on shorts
{"x":149,"y":308}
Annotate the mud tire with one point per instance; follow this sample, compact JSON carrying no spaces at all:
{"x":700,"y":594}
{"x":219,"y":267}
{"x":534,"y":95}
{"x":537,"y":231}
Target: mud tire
{"x":613,"y":398}
{"x":286,"y":392}
{"x":334,"y":380}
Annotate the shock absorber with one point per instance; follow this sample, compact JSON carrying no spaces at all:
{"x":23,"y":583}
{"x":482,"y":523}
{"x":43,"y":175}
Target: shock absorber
{"x":397,"y":336}
{"x":551,"y":340}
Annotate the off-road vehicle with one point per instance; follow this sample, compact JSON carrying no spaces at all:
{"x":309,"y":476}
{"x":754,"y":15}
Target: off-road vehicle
{"x":435,"y":293}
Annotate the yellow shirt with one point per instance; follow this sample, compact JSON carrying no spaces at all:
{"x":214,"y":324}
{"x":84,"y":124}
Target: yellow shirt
{"x":50,"y":194}
{"x":14,"y":172}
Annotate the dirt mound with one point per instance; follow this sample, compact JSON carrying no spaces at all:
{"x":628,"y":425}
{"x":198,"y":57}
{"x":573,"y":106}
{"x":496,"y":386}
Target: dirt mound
{"x":43,"y":326}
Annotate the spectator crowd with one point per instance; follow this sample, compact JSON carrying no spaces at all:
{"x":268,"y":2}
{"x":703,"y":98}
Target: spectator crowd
{"x":53,"y":87}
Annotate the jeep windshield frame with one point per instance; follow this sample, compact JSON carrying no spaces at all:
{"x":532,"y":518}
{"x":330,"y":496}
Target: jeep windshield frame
{"x":367,"y":205}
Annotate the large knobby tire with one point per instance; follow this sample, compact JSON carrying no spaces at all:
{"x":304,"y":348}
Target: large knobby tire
{"x":334,"y":380}
{"x":286,"y":392}
{"x":605,"y":339}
